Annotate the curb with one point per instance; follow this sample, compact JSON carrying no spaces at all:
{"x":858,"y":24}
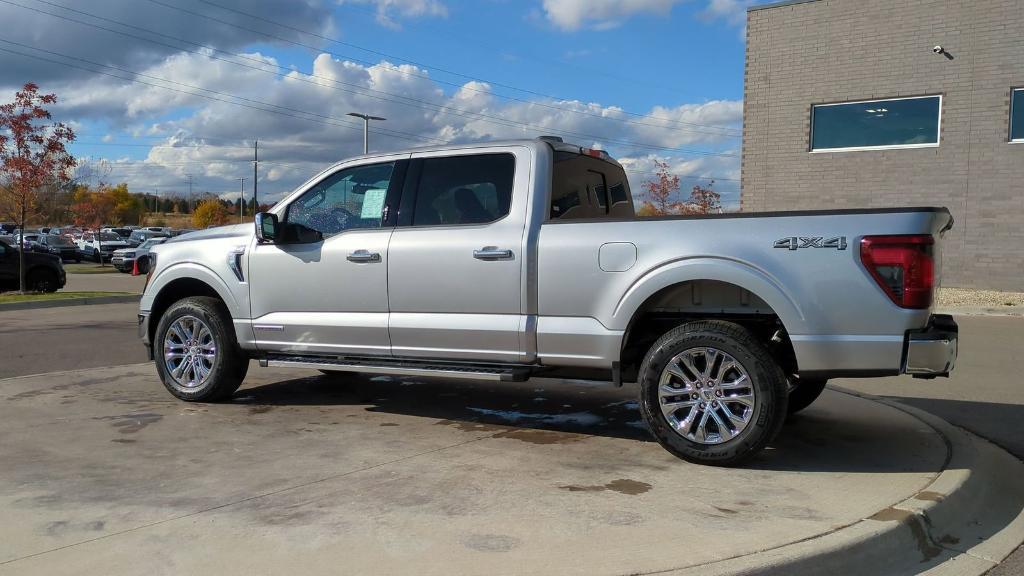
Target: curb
{"x":70,"y":302}
{"x":964,"y":523}
{"x":1011,"y":311}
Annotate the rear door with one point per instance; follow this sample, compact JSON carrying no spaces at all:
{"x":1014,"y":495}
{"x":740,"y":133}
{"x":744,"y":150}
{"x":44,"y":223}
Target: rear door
{"x":455,"y":265}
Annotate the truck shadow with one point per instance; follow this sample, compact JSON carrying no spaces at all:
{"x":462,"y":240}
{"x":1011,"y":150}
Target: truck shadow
{"x":823,"y":439}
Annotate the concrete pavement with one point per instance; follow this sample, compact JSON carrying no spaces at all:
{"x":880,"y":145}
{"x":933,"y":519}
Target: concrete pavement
{"x":312,"y":474}
{"x":113,"y":282}
{"x":408,"y":474}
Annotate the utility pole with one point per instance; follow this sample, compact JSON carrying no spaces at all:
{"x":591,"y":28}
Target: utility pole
{"x":190,"y":208}
{"x":366,"y":128}
{"x":241,"y":200}
{"x":255,"y":174}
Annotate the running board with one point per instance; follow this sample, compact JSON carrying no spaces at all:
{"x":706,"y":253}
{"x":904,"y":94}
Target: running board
{"x":402,"y":367}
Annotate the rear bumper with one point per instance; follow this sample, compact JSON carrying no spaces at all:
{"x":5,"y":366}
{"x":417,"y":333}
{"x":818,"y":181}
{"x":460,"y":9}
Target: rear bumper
{"x":932,"y":352}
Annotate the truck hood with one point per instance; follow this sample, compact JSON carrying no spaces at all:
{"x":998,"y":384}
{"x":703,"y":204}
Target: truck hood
{"x":232,"y":231}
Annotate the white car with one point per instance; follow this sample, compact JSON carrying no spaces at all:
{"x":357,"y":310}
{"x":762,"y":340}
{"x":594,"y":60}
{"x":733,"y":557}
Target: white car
{"x":125,"y":258}
{"x":101,"y":245}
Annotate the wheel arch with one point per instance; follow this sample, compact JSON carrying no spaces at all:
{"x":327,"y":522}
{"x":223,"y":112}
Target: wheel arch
{"x":183,"y":281}
{"x":704,"y":288}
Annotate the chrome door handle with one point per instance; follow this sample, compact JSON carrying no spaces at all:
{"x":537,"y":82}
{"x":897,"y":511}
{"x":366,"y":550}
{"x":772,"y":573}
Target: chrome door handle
{"x":492,"y":253}
{"x":363,"y":256}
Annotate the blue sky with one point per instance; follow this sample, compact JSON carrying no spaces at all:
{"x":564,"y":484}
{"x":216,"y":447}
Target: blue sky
{"x":646,"y":79}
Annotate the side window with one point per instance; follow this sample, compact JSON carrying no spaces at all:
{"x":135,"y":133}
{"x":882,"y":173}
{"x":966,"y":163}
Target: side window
{"x":347,"y":199}
{"x":585,"y":187}
{"x":472,"y":189}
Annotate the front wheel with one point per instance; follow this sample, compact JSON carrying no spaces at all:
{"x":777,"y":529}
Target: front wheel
{"x":712,"y":393}
{"x":197,"y":355}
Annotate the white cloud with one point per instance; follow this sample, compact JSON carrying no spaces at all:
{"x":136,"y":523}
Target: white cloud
{"x":607,"y":14}
{"x":212,"y":138}
{"x":388,"y":9}
{"x":601,"y":14}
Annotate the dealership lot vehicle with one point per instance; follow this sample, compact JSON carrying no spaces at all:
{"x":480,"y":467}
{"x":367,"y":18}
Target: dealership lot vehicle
{"x":125,"y":258}
{"x":43,"y":271}
{"x":59,"y":246}
{"x":99,"y":245}
{"x":504,"y":261}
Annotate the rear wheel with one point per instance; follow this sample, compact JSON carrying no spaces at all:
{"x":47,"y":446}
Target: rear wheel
{"x":42,"y":281}
{"x":805,"y":391}
{"x":712,"y":393}
{"x":197,"y":356}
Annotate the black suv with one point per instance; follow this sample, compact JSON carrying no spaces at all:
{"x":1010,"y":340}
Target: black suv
{"x":43,"y":272}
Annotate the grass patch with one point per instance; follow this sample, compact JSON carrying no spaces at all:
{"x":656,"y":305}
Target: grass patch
{"x":89,"y":268}
{"x":11,"y":297}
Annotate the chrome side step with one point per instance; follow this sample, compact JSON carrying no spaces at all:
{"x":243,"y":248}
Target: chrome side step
{"x":402,"y":367}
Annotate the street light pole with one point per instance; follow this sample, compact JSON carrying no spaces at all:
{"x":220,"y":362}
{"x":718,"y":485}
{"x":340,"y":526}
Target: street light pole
{"x":241,"y":201}
{"x":366,"y":128}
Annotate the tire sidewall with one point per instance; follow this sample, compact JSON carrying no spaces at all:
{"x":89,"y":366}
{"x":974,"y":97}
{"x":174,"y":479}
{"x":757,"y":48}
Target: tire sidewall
{"x":222,"y":369}
{"x":768,"y":395}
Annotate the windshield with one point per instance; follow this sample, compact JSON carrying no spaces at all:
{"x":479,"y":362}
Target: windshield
{"x":108,"y":237}
{"x":57,"y":241}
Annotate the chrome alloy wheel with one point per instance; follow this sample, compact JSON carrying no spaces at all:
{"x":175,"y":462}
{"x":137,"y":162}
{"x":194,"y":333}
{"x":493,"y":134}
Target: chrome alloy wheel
{"x":189,"y":352}
{"x":706,"y":395}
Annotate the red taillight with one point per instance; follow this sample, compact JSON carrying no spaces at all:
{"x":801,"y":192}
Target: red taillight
{"x":903,"y":267}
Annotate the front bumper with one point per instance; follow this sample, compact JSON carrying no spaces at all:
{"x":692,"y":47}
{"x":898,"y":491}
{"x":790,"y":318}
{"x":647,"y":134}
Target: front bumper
{"x":144,"y":334}
{"x":932,"y":352}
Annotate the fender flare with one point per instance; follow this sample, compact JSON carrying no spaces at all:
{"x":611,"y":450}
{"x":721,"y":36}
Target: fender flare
{"x":191,"y":271}
{"x":715,"y":268}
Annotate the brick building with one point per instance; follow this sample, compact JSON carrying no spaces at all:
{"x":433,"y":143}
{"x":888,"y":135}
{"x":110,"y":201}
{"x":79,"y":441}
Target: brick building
{"x":851,"y":104}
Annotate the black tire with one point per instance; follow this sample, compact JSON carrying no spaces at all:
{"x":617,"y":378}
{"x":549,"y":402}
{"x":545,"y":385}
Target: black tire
{"x":143,"y":265}
{"x":42,"y":280}
{"x":768,"y":384}
{"x":805,"y":391}
{"x":96,"y":256}
{"x":229,"y":365}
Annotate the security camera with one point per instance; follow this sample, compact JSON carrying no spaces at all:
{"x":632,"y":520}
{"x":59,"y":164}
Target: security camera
{"x":939,"y":50}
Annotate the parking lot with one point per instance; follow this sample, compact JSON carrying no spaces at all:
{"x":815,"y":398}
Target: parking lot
{"x":307,"y":473}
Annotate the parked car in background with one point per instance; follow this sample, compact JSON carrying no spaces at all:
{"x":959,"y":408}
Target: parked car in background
{"x":43,"y":272}
{"x":59,"y":246}
{"x":7,"y":228}
{"x":137,"y":237}
{"x":125,"y":258}
{"x":176,"y":233}
{"x":122,"y":232}
{"x":29,"y":239}
{"x":101,"y":245}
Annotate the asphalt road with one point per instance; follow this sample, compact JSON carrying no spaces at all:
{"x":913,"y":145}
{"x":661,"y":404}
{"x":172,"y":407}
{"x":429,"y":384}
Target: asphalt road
{"x":985,"y":394}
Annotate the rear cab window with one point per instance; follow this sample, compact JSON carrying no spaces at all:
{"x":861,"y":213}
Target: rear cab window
{"x":585,"y":186}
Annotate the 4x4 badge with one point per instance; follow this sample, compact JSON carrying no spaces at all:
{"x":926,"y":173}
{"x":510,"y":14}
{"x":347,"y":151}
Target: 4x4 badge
{"x":797,"y":242}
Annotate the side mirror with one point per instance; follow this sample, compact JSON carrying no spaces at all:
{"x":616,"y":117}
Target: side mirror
{"x":266,"y":227}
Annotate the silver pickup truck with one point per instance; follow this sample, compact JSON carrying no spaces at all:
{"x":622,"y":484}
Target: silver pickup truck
{"x":507,"y":260}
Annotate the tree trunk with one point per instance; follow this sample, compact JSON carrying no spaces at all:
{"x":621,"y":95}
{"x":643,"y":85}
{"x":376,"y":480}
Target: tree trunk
{"x":21,"y":252}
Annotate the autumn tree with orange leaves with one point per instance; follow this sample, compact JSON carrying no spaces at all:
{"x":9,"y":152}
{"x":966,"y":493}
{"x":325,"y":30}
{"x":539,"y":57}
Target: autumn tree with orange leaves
{"x":660,"y":196}
{"x":32,"y":155}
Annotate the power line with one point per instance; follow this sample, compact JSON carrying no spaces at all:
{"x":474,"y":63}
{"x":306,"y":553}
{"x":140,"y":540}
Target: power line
{"x":406,"y":72}
{"x":416,"y":102}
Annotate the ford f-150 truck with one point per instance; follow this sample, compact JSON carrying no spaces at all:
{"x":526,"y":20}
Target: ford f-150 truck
{"x":508,"y":260}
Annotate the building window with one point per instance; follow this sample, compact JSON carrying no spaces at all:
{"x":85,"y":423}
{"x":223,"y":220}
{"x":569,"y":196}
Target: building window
{"x":876,"y":124}
{"x":1017,"y":116}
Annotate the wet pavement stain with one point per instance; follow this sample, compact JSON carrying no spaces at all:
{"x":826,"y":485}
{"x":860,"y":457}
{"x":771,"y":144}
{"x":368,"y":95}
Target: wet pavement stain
{"x":929,"y":496}
{"x":132,"y":423}
{"x":491,"y":543}
{"x":622,"y":486}
{"x":388,"y":424}
{"x":535,"y":436}
{"x":123,"y":440}
{"x":924,"y":544}
{"x":260,"y":409}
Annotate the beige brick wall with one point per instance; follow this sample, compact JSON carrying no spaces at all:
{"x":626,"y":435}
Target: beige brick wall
{"x":836,"y":50}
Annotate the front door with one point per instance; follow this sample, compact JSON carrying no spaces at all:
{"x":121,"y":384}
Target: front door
{"x":456,"y":264}
{"x":329,"y":297}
